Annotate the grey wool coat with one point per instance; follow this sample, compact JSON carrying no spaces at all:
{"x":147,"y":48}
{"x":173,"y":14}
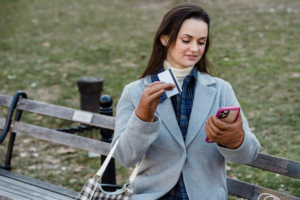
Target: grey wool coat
{"x":164,"y":153}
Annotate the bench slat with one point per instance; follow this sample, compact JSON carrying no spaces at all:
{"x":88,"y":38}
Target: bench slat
{"x":277,"y":165}
{"x":59,"y":137}
{"x":37,"y":183}
{"x":10,"y":196}
{"x":5,"y":100}
{"x":252,"y":192}
{"x":60,"y":112}
{"x":24,"y":192}
{"x":28,"y":191}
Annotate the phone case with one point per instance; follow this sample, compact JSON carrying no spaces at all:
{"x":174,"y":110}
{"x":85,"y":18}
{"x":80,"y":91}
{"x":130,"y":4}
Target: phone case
{"x":222,"y":114}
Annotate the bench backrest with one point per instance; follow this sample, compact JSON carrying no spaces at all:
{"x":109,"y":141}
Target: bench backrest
{"x":235,"y":187}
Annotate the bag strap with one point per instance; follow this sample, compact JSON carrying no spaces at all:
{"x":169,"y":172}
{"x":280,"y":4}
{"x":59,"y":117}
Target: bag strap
{"x":134,"y":173}
{"x":108,"y":158}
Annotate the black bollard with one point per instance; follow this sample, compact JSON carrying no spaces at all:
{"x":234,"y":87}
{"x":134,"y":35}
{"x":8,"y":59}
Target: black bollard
{"x":90,"y":89}
{"x":109,"y":176}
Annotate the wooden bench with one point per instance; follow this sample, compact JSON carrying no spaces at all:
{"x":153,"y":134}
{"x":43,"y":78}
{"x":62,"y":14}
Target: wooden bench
{"x":13,"y":186}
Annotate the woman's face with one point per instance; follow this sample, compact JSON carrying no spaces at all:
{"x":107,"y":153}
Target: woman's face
{"x":190,"y":44}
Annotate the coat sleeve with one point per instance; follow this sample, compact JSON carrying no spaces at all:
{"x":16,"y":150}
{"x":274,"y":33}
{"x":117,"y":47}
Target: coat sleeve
{"x":250,"y":147}
{"x":135,"y":134}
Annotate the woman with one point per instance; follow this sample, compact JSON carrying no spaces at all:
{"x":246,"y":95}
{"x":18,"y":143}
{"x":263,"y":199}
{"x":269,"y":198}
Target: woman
{"x":168,"y":134}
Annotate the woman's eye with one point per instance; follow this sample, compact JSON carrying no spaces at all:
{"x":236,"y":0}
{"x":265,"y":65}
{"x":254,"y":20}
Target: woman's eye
{"x":185,"y":41}
{"x":201,"y":43}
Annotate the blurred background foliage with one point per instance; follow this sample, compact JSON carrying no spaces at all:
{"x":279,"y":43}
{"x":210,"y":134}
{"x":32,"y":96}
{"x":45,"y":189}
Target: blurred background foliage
{"x":46,"y":45}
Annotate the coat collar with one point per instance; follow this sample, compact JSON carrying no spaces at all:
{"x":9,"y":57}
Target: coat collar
{"x":203,"y":100}
{"x":203,"y":79}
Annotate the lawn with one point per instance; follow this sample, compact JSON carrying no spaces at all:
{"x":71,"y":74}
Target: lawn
{"x":45,"y":46}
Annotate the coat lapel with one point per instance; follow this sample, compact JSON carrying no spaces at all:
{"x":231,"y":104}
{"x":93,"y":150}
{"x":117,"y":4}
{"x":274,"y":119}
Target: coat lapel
{"x":166,"y":112}
{"x":203,"y":100}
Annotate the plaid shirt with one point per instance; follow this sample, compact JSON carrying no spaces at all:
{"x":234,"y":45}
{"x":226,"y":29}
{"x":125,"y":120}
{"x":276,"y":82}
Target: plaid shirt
{"x":182,"y":104}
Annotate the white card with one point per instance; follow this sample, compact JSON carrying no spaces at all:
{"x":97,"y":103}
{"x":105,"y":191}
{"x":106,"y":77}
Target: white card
{"x":169,"y":77}
{"x":82,"y":116}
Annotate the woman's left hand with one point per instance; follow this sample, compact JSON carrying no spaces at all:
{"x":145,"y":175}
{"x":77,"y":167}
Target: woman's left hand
{"x":230,"y":135}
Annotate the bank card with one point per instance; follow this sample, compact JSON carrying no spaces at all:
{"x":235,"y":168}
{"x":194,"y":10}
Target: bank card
{"x":168,"y":77}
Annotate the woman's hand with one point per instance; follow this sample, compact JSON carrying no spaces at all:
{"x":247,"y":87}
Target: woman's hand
{"x":230,"y":135}
{"x":150,"y":99}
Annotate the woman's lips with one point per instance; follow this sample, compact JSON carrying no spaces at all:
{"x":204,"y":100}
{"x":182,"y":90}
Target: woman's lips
{"x":192,"y":57}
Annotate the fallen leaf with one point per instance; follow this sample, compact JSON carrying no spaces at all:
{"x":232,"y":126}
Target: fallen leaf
{"x":26,"y":141}
{"x":32,"y":149}
{"x":39,"y":117}
{"x":32,"y":167}
{"x":35,"y":21}
{"x":93,"y":155}
{"x":54,"y":161}
{"x":265,"y":132}
{"x":232,"y":176}
{"x":34,"y":155}
{"x":48,"y":157}
{"x":119,"y":60}
{"x":64,"y":150}
{"x":283,"y":147}
{"x":73,"y":180}
{"x":128,"y":64}
{"x":251,"y":115}
{"x":46,"y":44}
{"x":77,"y":169}
{"x":296,"y":75}
{"x":23,"y":154}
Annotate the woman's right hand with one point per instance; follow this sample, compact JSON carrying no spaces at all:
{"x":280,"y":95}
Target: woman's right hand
{"x":150,"y":100}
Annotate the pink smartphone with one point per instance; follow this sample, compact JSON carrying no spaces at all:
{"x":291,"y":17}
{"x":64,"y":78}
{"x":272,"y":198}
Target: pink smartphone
{"x":227,"y":114}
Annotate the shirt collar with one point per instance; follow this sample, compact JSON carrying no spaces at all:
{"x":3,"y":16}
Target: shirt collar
{"x":154,"y":78}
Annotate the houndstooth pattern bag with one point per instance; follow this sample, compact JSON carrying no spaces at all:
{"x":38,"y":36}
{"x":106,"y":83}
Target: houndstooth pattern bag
{"x":93,"y":190}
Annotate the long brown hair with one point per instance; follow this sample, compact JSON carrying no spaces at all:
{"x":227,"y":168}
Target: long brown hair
{"x":170,"y":26}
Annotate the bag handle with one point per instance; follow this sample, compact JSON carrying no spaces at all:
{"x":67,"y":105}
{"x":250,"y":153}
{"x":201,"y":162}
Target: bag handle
{"x":108,"y":158}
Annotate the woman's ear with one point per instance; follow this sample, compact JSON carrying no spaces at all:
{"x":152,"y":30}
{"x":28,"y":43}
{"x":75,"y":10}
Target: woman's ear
{"x":164,"y":39}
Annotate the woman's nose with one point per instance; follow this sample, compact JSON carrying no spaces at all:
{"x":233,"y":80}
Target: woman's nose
{"x":194,"y":46}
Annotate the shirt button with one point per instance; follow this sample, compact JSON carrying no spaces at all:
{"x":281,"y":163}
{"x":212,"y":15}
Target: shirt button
{"x":182,"y":116}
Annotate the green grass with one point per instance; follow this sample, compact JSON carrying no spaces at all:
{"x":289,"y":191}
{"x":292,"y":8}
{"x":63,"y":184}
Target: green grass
{"x":49,"y":44}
